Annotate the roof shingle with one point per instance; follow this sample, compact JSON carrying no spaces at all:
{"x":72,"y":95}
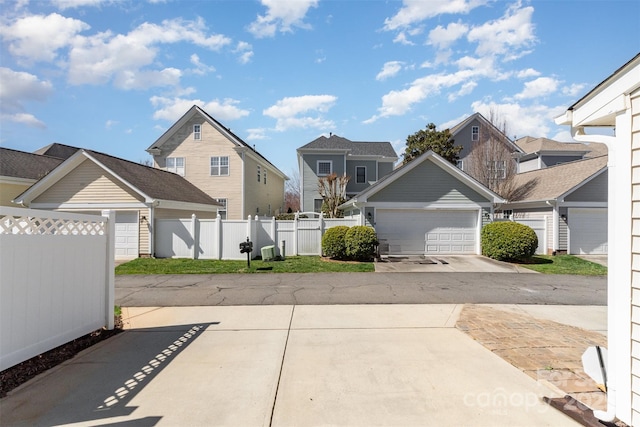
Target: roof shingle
{"x":356,"y":148}
{"x":20,"y":164}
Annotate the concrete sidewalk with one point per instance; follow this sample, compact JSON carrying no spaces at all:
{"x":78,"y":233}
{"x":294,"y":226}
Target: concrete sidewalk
{"x":356,"y":365}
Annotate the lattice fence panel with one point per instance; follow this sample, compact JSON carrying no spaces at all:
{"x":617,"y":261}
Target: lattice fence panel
{"x":46,"y":224}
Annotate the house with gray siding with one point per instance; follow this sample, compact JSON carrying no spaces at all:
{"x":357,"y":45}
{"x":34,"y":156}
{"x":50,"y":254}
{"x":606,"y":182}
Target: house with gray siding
{"x":427,"y":206}
{"x":363,"y":162}
{"x":565,"y":204}
{"x":539,"y":153}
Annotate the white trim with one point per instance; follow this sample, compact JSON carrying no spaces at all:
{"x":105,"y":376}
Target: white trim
{"x":220,"y":165}
{"x":435,"y":206}
{"x":198,"y":133}
{"x":317,"y":171}
{"x":90,"y":206}
{"x":15,"y":180}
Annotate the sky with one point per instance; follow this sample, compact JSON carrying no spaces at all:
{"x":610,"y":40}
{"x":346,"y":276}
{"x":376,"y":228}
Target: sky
{"x":114,"y":75}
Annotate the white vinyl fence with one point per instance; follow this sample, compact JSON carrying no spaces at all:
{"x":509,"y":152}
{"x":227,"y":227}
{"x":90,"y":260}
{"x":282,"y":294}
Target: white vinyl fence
{"x":220,"y":239}
{"x":56,"y":279}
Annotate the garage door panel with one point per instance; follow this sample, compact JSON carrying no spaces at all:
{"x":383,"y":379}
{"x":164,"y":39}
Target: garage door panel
{"x":588,"y":231}
{"x":126,"y":236}
{"x":427,"y":232}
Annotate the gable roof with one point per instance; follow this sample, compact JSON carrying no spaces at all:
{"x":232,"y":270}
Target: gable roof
{"x":23,"y":165}
{"x":58,"y":150}
{"x":225,"y":131}
{"x":353,"y":148}
{"x":477,"y":116}
{"x":531,"y":145}
{"x":406,"y":168}
{"x":151,"y":183}
{"x":555,"y":182}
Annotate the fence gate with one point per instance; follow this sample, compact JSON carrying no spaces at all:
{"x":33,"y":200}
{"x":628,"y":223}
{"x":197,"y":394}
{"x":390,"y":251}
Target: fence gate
{"x":309,"y":236}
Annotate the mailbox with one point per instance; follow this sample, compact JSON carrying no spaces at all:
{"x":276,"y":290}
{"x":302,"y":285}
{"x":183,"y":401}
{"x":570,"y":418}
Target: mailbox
{"x":246,"y":247}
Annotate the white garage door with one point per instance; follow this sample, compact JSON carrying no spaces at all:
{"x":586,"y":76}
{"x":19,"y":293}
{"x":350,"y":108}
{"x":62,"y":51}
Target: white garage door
{"x":126,"y":235}
{"x":588,"y":231}
{"x":413,"y":232}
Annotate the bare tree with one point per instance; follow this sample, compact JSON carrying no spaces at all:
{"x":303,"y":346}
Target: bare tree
{"x":491,"y":159}
{"x":292,"y":192}
{"x":333,"y":190}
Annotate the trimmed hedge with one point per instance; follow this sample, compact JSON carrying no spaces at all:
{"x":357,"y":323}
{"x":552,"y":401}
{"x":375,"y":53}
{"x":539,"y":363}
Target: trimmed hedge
{"x":508,"y":241}
{"x":333,"y":242}
{"x":361,"y":242}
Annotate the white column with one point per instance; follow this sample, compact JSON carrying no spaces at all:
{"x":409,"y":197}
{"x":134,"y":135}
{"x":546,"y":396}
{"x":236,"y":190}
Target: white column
{"x":109,"y":285}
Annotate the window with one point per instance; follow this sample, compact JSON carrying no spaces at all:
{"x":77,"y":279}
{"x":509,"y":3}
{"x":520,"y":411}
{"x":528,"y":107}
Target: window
{"x":507,"y":213}
{"x":475,"y":133}
{"x":220,"y":166}
{"x":497,"y":169}
{"x":460,"y":164}
{"x":324,"y":168}
{"x":197,"y":134}
{"x":264,"y":174}
{"x":361,"y":174}
{"x":175,"y":165}
{"x":317,"y":205}
{"x":258,"y":173}
{"x":222,"y":210}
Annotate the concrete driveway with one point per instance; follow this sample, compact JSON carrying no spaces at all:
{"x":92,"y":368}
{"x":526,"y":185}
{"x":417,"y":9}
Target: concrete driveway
{"x":445,"y":264}
{"x":391,"y":365}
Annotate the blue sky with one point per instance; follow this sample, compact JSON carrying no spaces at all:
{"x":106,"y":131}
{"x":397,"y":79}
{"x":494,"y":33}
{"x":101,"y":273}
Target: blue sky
{"x":114,"y":75}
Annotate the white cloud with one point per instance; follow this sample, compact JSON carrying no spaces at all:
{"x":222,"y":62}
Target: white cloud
{"x":389,"y":69}
{"x":465,"y":89}
{"x":24,"y":87}
{"x":529,"y":72}
{"x":402,"y":39}
{"x":508,"y":36}
{"x":256,"y":134}
{"x":104,"y":56}
{"x":109,"y":124}
{"x":573,"y":90}
{"x":539,"y":87}
{"x":522,"y":120}
{"x":281,"y":16}
{"x":172,"y":109}
{"x":244,"y":51}
{"x":201,"y":69}
{"x":39,"y":38}
{"x":442,"y":37}
{"x":301,"y":112}
{"x":72,"y":4}
{"x":415,"y":11}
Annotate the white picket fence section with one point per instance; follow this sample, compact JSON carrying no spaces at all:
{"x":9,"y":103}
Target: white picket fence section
{"x":56,"y":279}
{"x":220,"y":239}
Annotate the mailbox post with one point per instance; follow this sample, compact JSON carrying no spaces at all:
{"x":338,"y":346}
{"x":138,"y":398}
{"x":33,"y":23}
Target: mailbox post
{"x":247,"y":247}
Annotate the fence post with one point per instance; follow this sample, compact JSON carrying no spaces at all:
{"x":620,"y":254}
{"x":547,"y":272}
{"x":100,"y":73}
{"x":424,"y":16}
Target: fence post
{"x":194,"y":235}
{"x":218,"y":236}
{"x":274,"y":236}
{"x":109,"y":285}
{"x":295,"y":234}
{"x":321,"y":225}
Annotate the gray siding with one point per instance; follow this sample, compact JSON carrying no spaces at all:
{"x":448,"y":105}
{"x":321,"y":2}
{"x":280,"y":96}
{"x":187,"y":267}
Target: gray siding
{"x":310,"y":179}
{"x":595,"y":190}
{"x":548,"y":161}
{"x":384,"y":168}
{"x":427,"y":183}
{"x":370,"y":165}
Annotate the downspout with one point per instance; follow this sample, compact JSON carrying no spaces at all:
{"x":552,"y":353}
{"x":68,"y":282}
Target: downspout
{"x":556,"y":226}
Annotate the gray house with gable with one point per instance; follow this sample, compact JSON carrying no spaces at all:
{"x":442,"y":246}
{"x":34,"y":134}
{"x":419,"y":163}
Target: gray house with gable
{"x":364,"y":162}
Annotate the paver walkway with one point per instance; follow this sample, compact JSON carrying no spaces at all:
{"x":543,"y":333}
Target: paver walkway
{"x":543,"y":349}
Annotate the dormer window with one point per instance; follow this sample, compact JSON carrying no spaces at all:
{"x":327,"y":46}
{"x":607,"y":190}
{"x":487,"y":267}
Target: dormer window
{"x":197,"y":134}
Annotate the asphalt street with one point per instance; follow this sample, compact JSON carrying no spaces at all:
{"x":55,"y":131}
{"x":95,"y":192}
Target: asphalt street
{"x":358,"y":288}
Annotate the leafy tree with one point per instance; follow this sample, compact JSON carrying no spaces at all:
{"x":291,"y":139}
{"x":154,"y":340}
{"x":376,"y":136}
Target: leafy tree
{"x":292,"y":193}
{"x":440,"y":142}
{"x":333,"y":190}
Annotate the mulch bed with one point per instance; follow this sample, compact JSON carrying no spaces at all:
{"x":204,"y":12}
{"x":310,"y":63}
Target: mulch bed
{"x":16,"y":375}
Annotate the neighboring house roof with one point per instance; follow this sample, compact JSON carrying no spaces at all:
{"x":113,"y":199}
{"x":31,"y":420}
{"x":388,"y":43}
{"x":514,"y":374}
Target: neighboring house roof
{"x":23,"y":165}
{"x":58,"y":150}
{"x":404,"y":169}
{"x":149,"y":182}
{"x":477,"y":116}
{"x":354,"y":148}
{"x":225,"y":131}
{"x":556,"y":181}
{"x":531,"y":145}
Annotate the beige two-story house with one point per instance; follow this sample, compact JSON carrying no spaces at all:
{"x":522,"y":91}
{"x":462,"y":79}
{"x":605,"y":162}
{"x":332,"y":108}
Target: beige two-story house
{"x":217,"y":161}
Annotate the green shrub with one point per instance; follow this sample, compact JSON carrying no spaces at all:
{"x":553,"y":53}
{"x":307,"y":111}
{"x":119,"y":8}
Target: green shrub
{"x":333,"y":242}
{"x":361,"y":242}
{"x":508,"y":241}
{"x":289,"y":217}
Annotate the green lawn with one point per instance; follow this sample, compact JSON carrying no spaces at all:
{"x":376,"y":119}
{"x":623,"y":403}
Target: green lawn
{"x":297,"y":264}
{"x":564,"y":264}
